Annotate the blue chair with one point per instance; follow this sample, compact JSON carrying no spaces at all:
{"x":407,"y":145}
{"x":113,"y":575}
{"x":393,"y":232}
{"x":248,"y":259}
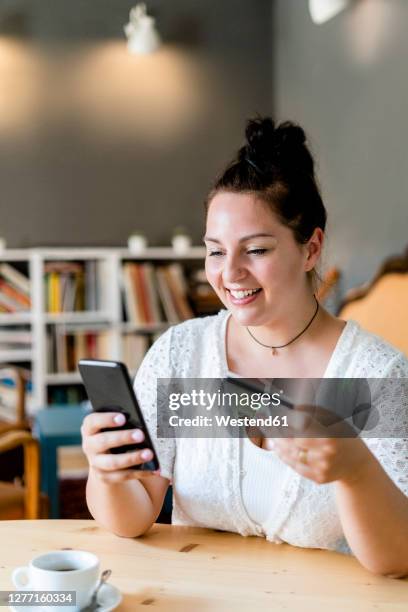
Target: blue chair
{"x":54,"y":427}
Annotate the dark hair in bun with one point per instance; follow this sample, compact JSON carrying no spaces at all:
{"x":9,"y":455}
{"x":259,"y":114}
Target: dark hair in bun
{"x":275,"y":164}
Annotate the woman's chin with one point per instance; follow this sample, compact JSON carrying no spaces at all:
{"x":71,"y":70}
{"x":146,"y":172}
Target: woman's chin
{"x":245,"y":317}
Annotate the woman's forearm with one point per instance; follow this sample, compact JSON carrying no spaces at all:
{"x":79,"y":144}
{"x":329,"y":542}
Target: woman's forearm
{"x":374,"y":516}
{"x":124,"y":508}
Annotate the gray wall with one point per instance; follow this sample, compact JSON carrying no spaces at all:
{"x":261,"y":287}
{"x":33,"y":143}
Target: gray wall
{"x":95,"y":143}
{"x":346,"y":83}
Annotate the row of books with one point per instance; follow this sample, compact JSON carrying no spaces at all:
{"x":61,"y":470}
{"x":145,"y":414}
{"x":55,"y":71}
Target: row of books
{"x":14,"y":289}
{"x":153,"y":294}
{"x":71,"y":286}
{"x":67,"y":345}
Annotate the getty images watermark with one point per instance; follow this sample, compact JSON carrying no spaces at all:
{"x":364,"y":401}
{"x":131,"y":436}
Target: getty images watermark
{"x":318,"y":407}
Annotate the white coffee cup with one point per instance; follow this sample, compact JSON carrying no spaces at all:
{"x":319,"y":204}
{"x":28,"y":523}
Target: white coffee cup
{"x":61,"y":570}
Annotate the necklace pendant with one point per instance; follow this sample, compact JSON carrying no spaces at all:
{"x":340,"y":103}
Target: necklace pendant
{"x":274,"y":351}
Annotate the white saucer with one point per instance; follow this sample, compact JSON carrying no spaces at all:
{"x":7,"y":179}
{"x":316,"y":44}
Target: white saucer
{"x":109,"y":597}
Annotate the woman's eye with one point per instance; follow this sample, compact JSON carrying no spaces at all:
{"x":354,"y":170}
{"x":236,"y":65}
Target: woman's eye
{"x":214,"y":253}
{"x":257,"y":251}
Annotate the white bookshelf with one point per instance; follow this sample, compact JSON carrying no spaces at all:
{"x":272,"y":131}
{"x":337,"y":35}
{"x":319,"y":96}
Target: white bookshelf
{"x":15,"y":319}
{"x":90,"y":316}
{"x":108,"y":315}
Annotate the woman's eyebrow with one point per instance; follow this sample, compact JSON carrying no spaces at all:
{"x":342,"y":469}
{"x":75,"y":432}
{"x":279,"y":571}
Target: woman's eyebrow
{"x":243,"y":239}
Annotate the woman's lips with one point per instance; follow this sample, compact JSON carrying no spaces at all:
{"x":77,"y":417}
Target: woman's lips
{"x":244,"y":300}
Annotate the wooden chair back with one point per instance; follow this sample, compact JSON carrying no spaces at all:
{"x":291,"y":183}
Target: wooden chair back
{"x":17,"y":501}
{"x":381,"y":306}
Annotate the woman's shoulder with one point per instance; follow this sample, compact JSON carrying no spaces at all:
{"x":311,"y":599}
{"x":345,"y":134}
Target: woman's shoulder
{"x":191,"y":347}
{"x":196,"y":346}
{"x":363,"y":350}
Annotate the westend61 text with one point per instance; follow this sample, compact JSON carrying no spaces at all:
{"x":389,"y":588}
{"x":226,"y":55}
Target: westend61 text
{"x":228,"y":421}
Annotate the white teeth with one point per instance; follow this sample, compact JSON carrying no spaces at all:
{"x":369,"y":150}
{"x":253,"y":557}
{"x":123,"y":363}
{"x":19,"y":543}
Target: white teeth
{"x":242,"y":294}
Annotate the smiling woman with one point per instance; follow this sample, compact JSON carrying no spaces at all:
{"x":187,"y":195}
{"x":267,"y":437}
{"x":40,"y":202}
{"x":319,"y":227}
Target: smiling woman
{"x":264,"y":236}
{"x":251,"y":256}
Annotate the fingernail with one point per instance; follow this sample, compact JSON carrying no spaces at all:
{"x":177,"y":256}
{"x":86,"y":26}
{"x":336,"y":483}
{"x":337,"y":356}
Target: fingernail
{"x":137,"y":436}
{"x":147,"y":454}
{"x":119,"y":419}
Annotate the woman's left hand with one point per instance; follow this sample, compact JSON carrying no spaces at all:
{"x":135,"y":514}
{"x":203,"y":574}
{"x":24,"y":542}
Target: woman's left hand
{"x":322,"y":458}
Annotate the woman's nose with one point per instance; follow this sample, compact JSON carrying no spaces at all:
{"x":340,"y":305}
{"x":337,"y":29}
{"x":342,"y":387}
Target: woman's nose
{"x":233,"y":270}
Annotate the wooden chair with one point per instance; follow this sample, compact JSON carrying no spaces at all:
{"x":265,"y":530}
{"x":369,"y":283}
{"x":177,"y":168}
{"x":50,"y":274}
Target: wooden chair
{"x":381,"y":306}
{"x":18,"y":418}
{"x":17,"y":501}
{"x":12,"y":462}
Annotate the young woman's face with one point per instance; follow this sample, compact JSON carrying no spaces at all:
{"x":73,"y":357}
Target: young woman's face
{"x":253,"y":261}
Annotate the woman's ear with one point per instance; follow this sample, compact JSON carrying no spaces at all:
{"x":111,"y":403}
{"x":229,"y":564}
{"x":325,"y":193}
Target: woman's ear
{"x":314,"y":248}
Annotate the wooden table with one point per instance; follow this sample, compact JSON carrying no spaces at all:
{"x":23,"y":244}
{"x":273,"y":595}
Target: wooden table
{"x":183,"y":569}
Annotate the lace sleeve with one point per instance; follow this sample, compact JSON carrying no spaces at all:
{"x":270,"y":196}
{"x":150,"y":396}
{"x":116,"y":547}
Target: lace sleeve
{"x":156,"y":364}
{"x":392,"y":451}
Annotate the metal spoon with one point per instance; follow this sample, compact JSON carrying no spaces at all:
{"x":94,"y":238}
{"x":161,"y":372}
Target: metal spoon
{"x":93,"y":604}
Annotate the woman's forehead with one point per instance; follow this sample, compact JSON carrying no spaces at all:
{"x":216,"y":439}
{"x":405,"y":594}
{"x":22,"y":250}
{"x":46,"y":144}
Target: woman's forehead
{"x":228,"y":210}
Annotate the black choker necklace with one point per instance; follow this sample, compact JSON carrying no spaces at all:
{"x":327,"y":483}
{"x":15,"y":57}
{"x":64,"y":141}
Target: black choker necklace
{"x":274,"y":348}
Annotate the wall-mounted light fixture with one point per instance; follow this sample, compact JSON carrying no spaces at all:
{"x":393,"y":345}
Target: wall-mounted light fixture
{"x":141,"y":31}
{"x":324,"y":10}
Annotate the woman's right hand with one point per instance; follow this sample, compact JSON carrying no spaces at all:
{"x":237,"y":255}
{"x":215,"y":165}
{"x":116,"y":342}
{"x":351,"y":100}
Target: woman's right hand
{"x":110,"y":467}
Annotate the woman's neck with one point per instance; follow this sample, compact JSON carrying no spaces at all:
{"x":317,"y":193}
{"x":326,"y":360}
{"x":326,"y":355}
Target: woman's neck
{"x":306,"y":357}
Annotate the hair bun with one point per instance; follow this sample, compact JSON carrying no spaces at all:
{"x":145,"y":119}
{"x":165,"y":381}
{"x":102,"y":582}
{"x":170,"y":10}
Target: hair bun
{"x":259,"y":136}
{"x":290,"y":135}
{"x":268,"y":144}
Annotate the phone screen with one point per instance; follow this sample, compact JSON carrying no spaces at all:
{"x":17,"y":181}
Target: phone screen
{"x":109,"y":389}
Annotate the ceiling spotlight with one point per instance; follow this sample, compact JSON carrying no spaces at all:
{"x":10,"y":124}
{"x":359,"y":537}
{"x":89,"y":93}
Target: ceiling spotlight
{"x":324,"y":10}
{"x":141,"y":31}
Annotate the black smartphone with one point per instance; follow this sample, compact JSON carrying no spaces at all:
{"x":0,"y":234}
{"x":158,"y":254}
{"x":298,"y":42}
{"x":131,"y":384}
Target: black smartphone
{"x":110,"y":389}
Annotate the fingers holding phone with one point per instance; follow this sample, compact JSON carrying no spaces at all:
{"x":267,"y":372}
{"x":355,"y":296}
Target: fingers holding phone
{"x":109,"y":433}
{"x":99,"y":445}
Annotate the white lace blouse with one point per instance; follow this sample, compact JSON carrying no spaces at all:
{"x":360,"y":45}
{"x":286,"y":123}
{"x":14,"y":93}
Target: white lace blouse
{"x":206,"y":472}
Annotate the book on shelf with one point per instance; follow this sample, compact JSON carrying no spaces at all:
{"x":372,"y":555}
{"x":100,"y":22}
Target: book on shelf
{"x":66,"y":345}
{"x":179,"y":291}
{"x":14,"y":338}
{"x":14,"y":290}
{"x":71,"y":286}
{"x":15,"y":278}
{"x":130,"y":302}
{"x":91,"y":285}
{"x":152,"y":295}
{"x":155,"y":294}
{"x":166,"y":297}
{"x":10,"y":305}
